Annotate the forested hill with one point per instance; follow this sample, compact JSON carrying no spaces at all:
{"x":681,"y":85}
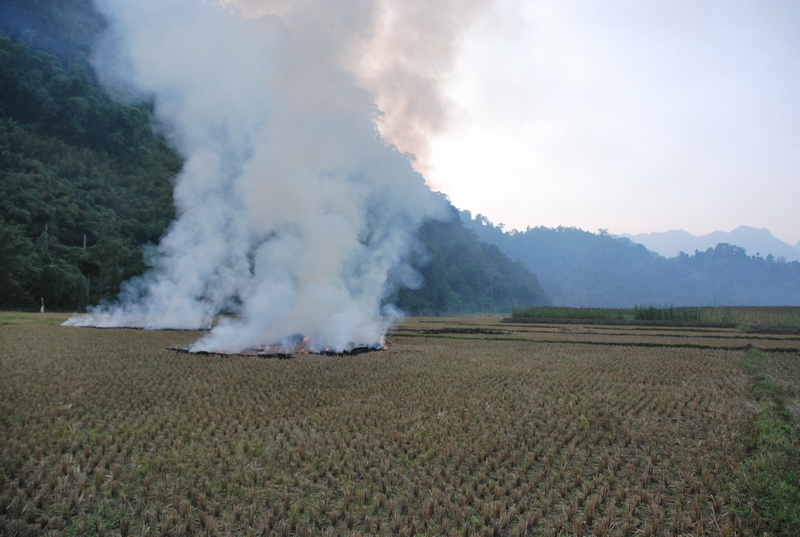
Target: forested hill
{"x":579,"y":268}
{"x":85,"y":182}
{"x":465,"y":274}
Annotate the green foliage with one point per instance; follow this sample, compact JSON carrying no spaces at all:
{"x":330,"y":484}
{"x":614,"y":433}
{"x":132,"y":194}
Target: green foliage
{"x":72,"y":221}
{"x":583,"y":421}
{"x":40,"y":92}
{"x":62,"y":283}
{"x":771,"y":482}
{"x":17,"y":265}
{"x":755,"y":315}
{"x":786,"y":316}
{"x":638,"y":313}
{"x":463,"y":274}
{"x":561,"y":312}
{"x":64,"y":28}
{"x":666,"y":313}
{"x":84,"y":180}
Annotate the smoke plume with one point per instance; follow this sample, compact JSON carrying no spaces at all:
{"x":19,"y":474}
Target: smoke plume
{"x":293,"y":212}
{"x":402,"y":52}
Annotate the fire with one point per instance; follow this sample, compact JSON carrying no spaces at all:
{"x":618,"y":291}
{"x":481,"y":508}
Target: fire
{"x":300,"y":347}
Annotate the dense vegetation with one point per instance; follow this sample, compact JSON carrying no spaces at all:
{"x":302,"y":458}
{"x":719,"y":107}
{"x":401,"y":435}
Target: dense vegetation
{"x":442,"y":434}
{"x":637,"y":313}
{"x":772,"y":469}
{"x":79,"y":195}
{"x":787,"y":316}
{"x":466,"y":275}
{"x":583,"y":269}
{"x":86,"y":182}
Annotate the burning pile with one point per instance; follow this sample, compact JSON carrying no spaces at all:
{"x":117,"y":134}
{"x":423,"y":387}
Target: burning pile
{"x":286,"y":350}
{"x":293,"y":214}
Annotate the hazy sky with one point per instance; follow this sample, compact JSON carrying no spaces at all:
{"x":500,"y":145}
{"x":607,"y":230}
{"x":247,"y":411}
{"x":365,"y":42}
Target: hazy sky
{"x":631,"y":115}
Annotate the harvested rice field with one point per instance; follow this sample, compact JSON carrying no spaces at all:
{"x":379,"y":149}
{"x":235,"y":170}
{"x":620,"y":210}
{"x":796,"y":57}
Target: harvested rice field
{"x":462,"y":426}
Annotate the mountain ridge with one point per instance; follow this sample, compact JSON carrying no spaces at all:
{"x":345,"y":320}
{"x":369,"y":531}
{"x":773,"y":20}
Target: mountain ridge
{"x":756,"y":241}
{"x":584,"y":269}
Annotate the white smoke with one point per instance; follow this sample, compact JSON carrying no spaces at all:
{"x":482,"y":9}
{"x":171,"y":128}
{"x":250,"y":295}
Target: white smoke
{"x":401,"y":51}
{"x":291,"y":210}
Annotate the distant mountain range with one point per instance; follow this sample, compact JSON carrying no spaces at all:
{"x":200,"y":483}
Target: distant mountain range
{"x":579,"y":268}
{"x":756,"y":241}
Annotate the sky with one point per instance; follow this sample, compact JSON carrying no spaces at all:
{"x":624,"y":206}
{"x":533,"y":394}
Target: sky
{"x":630,"y":116}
